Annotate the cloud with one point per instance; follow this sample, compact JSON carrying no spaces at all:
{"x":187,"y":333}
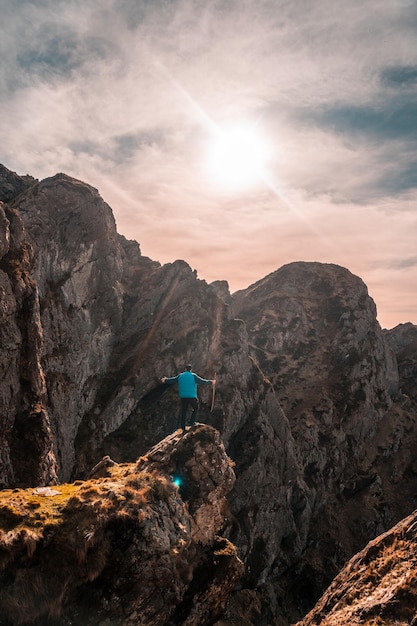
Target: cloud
{"x":126,"y":95}
{"x":400,"y":75}
{"x":401,"y":264}
{"x":392,"y":121}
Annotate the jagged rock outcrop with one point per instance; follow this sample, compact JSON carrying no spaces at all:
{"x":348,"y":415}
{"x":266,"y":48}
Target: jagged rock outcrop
{"x":129,"y":547}
{"x":314,"y":402}
{"x":377,"y":586}
{"x":11,"y":184}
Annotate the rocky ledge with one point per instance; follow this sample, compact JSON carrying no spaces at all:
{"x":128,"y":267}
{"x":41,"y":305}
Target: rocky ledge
{"x":137,"y":543}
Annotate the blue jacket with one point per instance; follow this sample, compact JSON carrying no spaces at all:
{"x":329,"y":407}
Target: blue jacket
{"x":187,"y":384}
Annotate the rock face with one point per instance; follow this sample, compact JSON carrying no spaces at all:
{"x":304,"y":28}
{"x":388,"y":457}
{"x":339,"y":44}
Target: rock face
{"x":315,"y":403}
{"x":377,"y":586}
{"x":339,"y":470}
{"x":26,"y":441}
{"x":126,"y":548}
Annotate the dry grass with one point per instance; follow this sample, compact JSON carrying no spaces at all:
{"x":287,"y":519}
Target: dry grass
{"x":64,"y":534}
{"x":378,"y":587}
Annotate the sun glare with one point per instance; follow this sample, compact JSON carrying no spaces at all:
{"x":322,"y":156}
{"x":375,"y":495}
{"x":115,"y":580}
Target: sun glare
{"x":237,"y":158}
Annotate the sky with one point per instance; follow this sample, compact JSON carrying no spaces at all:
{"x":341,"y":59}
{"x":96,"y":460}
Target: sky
{"x":238,"y":135}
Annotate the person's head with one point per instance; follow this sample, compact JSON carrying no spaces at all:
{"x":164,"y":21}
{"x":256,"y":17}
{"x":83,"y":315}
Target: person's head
{"x":189,"y":368}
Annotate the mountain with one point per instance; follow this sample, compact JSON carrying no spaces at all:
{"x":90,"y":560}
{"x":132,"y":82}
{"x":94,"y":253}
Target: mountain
{"x":315,"y":403}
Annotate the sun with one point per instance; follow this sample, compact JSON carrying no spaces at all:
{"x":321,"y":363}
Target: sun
{"x":237,"y":157}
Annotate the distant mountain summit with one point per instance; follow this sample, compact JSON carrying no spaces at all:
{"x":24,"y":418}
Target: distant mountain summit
{"x":315,"y":404}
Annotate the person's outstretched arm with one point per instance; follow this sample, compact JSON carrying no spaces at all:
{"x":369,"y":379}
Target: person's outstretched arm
{"x":203,"y":381}
{"x":169,"y":381}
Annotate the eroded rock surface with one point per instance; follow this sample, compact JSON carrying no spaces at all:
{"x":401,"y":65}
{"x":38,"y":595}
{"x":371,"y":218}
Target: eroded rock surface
{"x":127,"y":548}
{"x":377,"y":586}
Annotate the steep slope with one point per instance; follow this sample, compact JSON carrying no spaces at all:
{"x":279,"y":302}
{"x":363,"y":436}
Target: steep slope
{"x":26,"y":441}
{"x":377,"y":586}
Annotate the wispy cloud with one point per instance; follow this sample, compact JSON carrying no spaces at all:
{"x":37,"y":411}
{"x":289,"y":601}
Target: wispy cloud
{"x":126,"y":95}
{"x":404,"y":263}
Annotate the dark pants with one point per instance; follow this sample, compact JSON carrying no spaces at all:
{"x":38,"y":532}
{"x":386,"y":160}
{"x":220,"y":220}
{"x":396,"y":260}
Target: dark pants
{"x":185,"y":403}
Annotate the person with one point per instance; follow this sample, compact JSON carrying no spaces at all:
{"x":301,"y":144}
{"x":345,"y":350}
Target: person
{"x":187,"y":391}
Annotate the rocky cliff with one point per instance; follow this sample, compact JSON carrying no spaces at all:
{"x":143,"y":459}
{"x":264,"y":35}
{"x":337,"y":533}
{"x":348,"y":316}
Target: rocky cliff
{"x":127,"y":546}
{"x":315,"y":403}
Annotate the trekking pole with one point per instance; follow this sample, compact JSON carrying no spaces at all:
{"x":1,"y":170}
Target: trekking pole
{"x":213,"y":394}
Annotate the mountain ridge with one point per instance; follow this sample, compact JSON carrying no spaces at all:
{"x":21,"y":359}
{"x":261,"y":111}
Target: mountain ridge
{"x":315,"y":403}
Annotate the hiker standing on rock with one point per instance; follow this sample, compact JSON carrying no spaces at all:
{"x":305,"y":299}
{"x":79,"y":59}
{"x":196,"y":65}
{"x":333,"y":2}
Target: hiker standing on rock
{"x":187,"y":391}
